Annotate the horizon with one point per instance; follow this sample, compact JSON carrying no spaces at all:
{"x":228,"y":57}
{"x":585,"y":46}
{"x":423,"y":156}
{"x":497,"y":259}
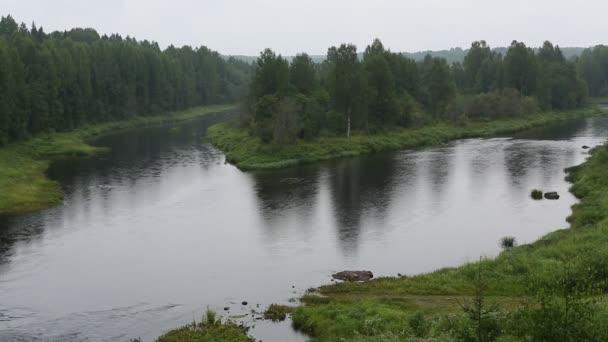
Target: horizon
{"x":244,"y":28}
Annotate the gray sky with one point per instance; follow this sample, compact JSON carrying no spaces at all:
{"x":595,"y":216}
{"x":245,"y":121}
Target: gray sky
{"x":247,"y":26}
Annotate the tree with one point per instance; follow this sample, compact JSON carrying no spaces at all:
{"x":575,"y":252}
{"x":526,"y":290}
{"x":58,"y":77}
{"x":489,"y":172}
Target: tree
{"x":437,"y":84}
{"x":383,"y":106}
{"x":303,"y":75}
{"x":346,"y":84}
{"x":521,"y":68}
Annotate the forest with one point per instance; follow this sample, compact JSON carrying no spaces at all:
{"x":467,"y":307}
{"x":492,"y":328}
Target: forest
{"x":63,"y":80}
{"x":380,"y":89}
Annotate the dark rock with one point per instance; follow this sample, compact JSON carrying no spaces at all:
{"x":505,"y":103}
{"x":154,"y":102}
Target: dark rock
{"x":353,"y":275}
{"x":244,"y":303}
{"x":226,"y":308}
{"x":552,"y":195}
{"x":586,"y":147}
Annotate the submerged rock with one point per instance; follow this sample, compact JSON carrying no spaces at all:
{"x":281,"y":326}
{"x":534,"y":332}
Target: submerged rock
{"x":353,"y":275}
{"x":586,"y":147}
{"x":552,"y":195}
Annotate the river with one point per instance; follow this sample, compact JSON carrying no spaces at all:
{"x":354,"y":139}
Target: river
{"x":161,"y":228}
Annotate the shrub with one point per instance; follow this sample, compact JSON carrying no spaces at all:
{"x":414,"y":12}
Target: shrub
{"x":537,"y":194}
{"x":508,"y":242}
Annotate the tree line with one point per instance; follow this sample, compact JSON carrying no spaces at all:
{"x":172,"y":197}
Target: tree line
{"x":380,"y":89}
{"x":62,"y":80}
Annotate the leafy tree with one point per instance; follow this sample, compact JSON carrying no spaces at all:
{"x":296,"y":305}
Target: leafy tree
{"x":521,"y":68}
{"x":347,"y":85}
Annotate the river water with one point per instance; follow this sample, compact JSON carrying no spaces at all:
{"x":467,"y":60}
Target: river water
{"x":159,"y":229}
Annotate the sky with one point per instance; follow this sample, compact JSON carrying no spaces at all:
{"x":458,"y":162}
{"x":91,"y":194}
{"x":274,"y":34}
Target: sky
{"x":245,"y":27}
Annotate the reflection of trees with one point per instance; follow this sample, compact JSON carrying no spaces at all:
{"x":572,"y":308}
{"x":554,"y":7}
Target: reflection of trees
{"x":519,"y":161}
{"x":358,"y":186}
{"x":282,"y":191}
{"x":439,"y":165}
{"x":134,"y":154}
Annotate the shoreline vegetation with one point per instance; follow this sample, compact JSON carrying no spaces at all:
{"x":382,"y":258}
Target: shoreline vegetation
{"x":24,"y":186}
{"x":551,"y":290}
{"x":249,"y":152}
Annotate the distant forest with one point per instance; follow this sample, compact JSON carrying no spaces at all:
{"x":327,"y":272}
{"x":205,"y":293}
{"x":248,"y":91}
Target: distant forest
{"x":453,"y":55}
{"x":62,"y":80}
{"x":377,"y":89}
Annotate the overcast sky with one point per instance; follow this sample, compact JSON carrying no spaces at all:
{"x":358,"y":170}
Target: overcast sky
{"x":248,"y":26}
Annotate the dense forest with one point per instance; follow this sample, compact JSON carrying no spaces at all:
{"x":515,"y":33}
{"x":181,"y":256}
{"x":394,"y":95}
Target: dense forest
{"x":380,"y":89}
{"x":61,"y":80}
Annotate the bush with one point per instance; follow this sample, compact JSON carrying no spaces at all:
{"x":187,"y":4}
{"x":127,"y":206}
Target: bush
{"x":508,"y":242}
{"x":537,"y":194}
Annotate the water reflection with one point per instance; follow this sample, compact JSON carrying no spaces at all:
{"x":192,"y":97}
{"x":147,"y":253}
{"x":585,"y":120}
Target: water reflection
{"x":156,"y":230}
{"x":360,"y":187}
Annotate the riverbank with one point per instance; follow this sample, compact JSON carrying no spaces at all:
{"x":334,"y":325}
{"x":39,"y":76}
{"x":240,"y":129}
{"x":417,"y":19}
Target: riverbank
{"x":249,"y":153}
{"x":24,"y":186}
{"x":551,"y":290}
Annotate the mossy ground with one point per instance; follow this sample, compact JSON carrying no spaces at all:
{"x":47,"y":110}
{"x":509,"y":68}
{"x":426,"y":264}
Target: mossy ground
{"x":383,"y":309}
{"x":249,"y":153}
{"x":24,"y":186}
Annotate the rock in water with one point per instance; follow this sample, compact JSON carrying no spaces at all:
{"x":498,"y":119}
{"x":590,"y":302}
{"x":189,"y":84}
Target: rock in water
{"x":353,"y":275}
{"x":586,"y":147}
{"x":552,"y":195}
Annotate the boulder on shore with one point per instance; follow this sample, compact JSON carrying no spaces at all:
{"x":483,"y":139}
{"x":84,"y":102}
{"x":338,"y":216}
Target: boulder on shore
{"x":353,"y":275}
{"x":552,"y":195}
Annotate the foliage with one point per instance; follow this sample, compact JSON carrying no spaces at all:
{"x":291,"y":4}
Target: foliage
{"x":64,"y":80}
{"x":276,"y":312}
{"x":379,"y":90}
{"x":536,"y":194}
{"x":508,"y":242}
{"x":208,"y":331}
{"x":248,"y":151}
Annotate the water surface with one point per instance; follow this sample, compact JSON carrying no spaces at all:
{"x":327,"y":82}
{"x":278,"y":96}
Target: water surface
{"x":160,"y":228}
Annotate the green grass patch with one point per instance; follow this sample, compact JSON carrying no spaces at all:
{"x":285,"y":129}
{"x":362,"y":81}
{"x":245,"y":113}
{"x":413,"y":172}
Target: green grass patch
{"x":250,"y":153}
{"x":208,"y":330}
{"x":276,"y":312}
{"x":24,"y":186}
{"x":396,"y":309}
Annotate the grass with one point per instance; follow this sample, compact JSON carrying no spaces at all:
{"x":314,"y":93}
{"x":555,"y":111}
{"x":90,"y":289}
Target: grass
{"x":537,"y":194}
{"x":208,"y":330}
{"x":24,"y":186}
{"x":249,"y":153}
{"x":276,"y":312}
{"x":383,"y":309}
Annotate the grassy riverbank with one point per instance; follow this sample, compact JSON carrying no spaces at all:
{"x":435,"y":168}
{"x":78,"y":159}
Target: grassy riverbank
{"x":24,"y":186}
{"x":551,"y":290}
{"x":249,"y":153}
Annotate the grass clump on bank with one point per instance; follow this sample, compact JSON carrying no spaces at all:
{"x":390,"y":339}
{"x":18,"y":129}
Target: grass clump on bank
{"x":551,"y":290}
{"x":249,"y":152}
{"x":24,"y":186}
{"x":210,"y":329}
{"x":537,"y":195}
{"x":276,"y":312}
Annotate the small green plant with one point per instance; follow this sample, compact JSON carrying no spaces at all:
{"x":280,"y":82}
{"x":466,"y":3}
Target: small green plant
{"x":276,"y":312}
{"x":210,"y":316}
{"x":419,"y":325}
{"x":537,"y":194}
{"x":508,"y":242}
{"x":482,"y":323}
